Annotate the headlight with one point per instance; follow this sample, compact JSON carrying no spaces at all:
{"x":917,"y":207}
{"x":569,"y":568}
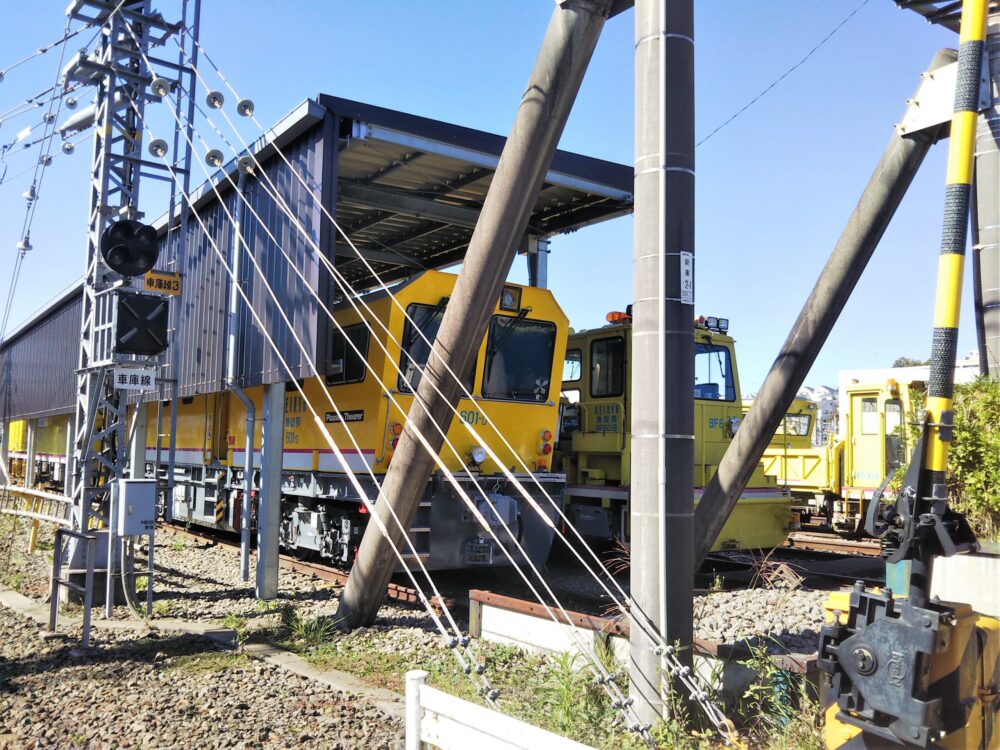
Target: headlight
{"x":478,"y":454}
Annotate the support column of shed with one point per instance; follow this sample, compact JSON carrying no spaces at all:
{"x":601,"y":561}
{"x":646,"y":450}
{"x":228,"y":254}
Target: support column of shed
{"x":269,"y":511}
{"x":566,"y":51}
{"x":31,"y":429}
{"x":4,"y":456}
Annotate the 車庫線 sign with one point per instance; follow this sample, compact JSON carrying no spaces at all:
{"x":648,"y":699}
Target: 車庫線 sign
{"x":163,"y":282}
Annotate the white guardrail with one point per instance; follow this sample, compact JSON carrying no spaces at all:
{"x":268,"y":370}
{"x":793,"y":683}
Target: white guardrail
{"x":449,"y":723}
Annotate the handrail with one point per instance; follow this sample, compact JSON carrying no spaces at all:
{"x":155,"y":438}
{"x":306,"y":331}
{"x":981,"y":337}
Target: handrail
{"x":18,"y":489}
{"x":87,"y":590}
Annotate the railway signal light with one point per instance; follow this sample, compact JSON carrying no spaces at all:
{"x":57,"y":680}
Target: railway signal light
{"x":129,"y":247}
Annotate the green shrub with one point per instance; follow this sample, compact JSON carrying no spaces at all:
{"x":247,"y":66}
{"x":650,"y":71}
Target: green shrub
{"x":974,"y":458}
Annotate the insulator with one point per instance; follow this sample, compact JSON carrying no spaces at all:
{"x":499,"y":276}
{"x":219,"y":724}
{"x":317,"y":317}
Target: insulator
{"x":49,"y":117}
{"x":493,"y":694}
{"x":71,"y":102}
{"x":158,"y":147}
{"x":246,"y":164}
{"x":480,"y":669}
{"x":160,"y":87}
{"x":1,"y":75}
{"x":214,"y":158}
{"x":24,"y":245}
{"x":68,"y":148}
{"x":30,"y":194}
{"x":45,"y":160}
{"x":215,"y":99}
{"x":245,"y":108}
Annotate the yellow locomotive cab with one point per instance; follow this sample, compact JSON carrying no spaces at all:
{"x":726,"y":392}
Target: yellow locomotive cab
{"x":595,"y":439}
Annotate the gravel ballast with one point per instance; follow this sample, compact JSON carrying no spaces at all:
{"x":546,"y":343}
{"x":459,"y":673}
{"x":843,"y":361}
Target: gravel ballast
{"x":162,"y":691}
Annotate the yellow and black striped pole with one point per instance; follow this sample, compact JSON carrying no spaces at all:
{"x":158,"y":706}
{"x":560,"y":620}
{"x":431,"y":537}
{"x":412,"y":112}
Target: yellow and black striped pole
{"x":972,"y":36}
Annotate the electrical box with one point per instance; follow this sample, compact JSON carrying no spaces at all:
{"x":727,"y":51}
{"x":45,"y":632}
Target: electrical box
{"x":136,"y":507}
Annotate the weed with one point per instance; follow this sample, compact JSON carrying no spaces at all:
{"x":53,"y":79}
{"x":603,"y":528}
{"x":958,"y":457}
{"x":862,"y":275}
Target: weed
{"x":163,"y":608}
{"x":311,"y":632}
{"x":778,"y":707}
{"x":178,"y":546}
{"x":213,"y":661}
{"x":269,"y":605}
{"x":238,"y":625}
{"x":13,"y":579}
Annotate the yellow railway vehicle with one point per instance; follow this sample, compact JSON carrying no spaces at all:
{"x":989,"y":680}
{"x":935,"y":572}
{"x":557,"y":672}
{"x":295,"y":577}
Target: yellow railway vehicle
{"x":515,"y":390}
{"x":50,"y":448}
{"x":810,"y":472}
{"x":836,"y":480}
{"x":595,"y":440}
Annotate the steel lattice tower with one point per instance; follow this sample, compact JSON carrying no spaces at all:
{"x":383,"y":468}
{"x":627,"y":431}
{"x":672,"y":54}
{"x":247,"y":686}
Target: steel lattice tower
{"x":119,"y":70}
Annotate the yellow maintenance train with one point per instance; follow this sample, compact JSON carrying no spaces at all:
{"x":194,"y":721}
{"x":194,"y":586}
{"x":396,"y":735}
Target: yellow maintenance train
{"x":514,"y":390}
{"x":835,"y":481}
{"x":514,"y":385}
{"x":595,"y":439}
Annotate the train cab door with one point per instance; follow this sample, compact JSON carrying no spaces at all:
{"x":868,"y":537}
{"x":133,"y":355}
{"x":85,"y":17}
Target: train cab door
{"x":867,"y":439}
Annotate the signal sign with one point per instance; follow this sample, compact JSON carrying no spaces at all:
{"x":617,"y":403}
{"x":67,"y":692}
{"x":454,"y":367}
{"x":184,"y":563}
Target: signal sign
{"x":163,"y":282}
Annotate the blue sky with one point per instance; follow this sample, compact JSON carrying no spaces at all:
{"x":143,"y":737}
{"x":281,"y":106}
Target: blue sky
{"x":775,"y":187}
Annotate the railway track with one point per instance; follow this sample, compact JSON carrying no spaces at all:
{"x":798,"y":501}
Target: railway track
{"x":396,"y":591}
{"x":814,"y":542}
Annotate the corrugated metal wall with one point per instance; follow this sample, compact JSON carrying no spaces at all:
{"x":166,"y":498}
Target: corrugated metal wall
{"x":37,"y":370}
{"x":202,"y":311}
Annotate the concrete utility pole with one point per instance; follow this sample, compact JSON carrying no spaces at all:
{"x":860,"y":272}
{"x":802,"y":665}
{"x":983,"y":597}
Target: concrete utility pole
{"x":878,"y":204}
{"x":662,"y":491}
{"x":566,"y":51}
{"x":986,"y":216}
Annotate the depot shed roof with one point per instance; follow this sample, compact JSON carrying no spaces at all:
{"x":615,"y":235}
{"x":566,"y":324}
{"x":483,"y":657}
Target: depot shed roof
{"x":406,"y":191}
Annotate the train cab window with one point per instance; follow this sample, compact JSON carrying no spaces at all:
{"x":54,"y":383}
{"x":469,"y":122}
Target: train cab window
{"x":869,"y":416}
{"x":519,"y":356}
{"x":572,"y":366}
{"x":607,"y":367}
{"x":795,"y":424}
{"x":345,"y":364}
{"x":713,"y":373}
{"x":428,"y":319}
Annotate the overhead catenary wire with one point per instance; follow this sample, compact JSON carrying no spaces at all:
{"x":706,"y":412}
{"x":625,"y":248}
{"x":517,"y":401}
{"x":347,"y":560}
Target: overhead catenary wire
{"x":56,"y":94}
{"x":7,"y":179}
{"x":483,"y":522}
{"x":32,"y":195}
{"x":465,"y":392}
{"x":453,"y":642}
{"x":696,"y":689}
{"x":423,"y":441}
{"x":67,"y":35}
{"x":784,"y":75}
{"x":646,"y":627}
